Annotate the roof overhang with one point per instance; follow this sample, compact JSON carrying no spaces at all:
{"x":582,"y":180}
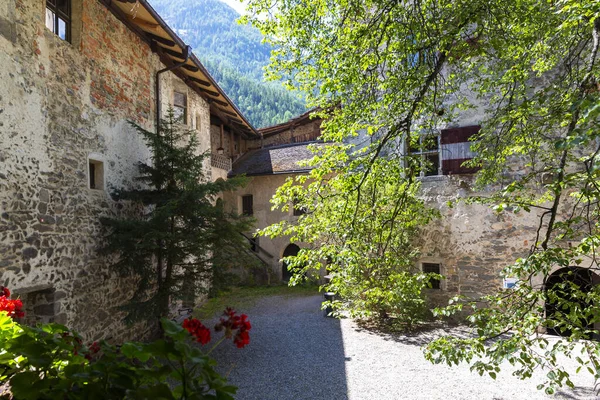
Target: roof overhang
{"x":143,"y":20}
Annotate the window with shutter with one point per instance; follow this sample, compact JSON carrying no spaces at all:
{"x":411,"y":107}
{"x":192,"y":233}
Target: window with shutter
{"x":456,"y":149}
{"x":428,"y":151}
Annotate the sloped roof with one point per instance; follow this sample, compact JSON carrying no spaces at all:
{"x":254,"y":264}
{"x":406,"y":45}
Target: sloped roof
{"x":274,"y":160}
{"x":142,"y":19}
{"x":284,"y":126}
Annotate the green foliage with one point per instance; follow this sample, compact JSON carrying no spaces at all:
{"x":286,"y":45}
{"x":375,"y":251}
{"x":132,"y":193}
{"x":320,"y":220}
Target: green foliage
{"x":391,"y":71}
{"x":363,"y":233}
{"x":234,"y":55}
{"x":50,"y":362}
{"x":181,"y":243}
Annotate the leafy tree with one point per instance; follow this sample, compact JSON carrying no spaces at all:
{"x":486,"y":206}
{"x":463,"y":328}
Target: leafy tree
{"x":390,"y":70}
{"x":181,"y":242}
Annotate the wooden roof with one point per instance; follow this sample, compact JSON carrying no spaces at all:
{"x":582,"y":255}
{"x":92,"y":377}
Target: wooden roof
{"x":284,"y":126}
{"x":142,"y":19}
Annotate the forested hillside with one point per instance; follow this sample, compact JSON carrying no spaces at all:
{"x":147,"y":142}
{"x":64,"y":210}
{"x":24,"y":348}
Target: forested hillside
{"x":234,"y":55}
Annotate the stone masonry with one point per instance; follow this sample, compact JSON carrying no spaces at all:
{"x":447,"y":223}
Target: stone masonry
{"x":62,"y":106}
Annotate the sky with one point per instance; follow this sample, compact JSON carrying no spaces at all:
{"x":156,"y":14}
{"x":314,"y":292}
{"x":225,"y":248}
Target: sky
{"x":237,"y":5}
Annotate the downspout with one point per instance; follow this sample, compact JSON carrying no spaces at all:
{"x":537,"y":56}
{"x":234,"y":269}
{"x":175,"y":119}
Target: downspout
{"x":187,"y":50}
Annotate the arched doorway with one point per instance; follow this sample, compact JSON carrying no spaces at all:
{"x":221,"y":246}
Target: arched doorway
{"x":290,"y":250}
{"x":560,"y":285}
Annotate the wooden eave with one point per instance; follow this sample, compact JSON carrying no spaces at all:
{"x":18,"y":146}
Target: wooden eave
{"x":143,"y":20}
{"x":302,"y":119}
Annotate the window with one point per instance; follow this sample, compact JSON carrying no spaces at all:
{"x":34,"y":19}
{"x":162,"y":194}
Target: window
{"x":298,"y":210}
{"x":180,"y":107}
{"x":247,"y":205}
{"x":445,"y":153}
{"x":428,"y":151}
{"x":254,"y":246}
{"x":58,"y":18}
{"x":431,"y":268}
{"x":96,"y":174}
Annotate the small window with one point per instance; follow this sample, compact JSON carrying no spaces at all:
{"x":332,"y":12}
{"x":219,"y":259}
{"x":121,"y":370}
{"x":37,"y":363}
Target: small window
{"x":298,"y":210}
{"x":180,"y":107}
{"x":428,"y":150}
{"x":58,"y":18}
{"x":198,"y":122}
{"x":254,"y":246}
{"x":96,"y":175}
{"x":247,"y":205}
{"x":431,"y":268}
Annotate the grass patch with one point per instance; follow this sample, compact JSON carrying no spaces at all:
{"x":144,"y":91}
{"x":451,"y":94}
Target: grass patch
{"x":241,"y":298}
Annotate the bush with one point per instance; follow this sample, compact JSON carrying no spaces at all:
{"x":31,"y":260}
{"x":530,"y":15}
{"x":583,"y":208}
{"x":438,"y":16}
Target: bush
{"x":52,"y":362}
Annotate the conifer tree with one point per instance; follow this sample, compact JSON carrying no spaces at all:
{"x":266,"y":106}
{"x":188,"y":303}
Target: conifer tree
{"x":175,"y":246}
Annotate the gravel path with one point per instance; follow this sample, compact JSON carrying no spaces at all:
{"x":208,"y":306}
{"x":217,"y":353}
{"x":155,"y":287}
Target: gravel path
{"x":296,"y":353}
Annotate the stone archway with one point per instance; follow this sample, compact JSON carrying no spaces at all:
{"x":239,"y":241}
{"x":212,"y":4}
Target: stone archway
{"x":583,"y":278}
{"x":290,"y":250}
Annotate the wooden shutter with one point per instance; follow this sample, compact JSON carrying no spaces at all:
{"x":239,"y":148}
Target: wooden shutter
{"x":456,"y":149}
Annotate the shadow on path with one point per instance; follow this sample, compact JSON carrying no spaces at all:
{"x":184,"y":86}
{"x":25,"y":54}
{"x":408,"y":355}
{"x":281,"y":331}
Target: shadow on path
{"x":294,"y":352}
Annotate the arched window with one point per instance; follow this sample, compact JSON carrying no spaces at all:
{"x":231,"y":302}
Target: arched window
{"x":564,"y":287}
{"x":290,"y":250}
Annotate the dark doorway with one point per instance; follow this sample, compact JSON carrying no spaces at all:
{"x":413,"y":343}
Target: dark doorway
{"x":290,"y":250}
{"x":560,"y":284}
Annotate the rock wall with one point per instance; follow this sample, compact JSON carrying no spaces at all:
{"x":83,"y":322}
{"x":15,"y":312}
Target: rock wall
{"x":63,"y":105}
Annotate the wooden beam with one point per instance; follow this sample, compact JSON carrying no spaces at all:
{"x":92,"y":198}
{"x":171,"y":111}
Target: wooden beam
{"x":191,"y":68}
{"x":161,"y":39}
{"x":209,"y":92}
{"x":200,"y":81}
{"x":223,"y":103}
{"x":143,"y":23}
{"x":227,"y":112}
{"x":172,"y":53}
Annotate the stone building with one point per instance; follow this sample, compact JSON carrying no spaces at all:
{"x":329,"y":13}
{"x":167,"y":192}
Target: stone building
{"x":470,"y":244}
{"x":267,"y":165}
{"x":74,"y":73}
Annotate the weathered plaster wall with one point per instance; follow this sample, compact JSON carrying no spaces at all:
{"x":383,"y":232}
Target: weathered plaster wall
{"x":262,"y":188}
{"x":471,"y":242}
{"x":61,"y":103}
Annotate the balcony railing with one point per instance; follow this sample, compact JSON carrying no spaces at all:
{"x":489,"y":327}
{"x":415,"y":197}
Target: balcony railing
{"x":220,"y":161}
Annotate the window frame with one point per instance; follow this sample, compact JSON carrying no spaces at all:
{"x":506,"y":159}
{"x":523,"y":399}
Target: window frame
{"x":436,"y":284}
{"x":57,"y":14}
{"x":245,"y":211}
{"x":424,"y":154}
{"x":297,"y":211}
{"x":183,"y":107}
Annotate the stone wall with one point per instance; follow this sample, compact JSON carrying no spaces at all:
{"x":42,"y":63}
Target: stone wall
{"x":62,"y":105}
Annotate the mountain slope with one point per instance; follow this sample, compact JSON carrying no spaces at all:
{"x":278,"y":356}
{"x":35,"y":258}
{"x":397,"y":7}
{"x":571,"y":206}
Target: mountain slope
{"x":234,"y":55}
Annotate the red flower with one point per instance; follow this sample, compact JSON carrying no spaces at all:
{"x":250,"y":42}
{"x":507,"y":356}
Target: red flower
{"x":241,"y":339}
{"x":231,"y":322}
{"x":11,"y":307}
{"x":94,"y":348}
{"x":197,"y":329}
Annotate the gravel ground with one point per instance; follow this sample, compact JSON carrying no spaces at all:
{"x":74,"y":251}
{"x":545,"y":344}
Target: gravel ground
{"x":297,"y":353}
